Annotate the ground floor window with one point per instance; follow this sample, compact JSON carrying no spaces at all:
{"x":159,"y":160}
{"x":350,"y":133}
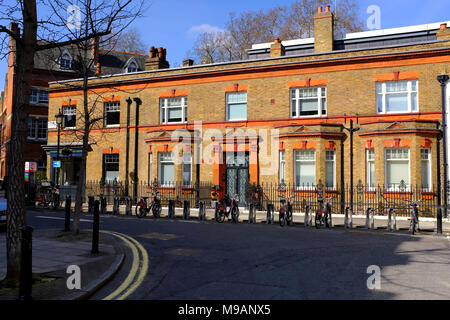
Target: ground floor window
{"x":305,"y":168}
{"x":111,"y":167}
{"x":330,"y":169}
{"x":397,"y":168}
{"x":426,"y":168}
{"x":370,"y":167}
{"x":187,"y":169}
{"x":166,"y":165}
{"x":282,"y":167}
{"x":150,"y":165}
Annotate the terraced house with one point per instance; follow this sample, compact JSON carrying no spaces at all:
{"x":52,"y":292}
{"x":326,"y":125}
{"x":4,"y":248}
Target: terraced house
{"x":301,"y":93}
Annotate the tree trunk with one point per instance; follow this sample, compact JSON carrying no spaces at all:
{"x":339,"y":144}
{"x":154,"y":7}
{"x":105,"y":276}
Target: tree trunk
{"x":24,"y":50}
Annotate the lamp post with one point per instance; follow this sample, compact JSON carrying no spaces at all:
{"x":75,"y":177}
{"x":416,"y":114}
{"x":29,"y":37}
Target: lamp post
{"x":351,"y":130}
{"x":59,"y":118}
{"x":443,"y":79}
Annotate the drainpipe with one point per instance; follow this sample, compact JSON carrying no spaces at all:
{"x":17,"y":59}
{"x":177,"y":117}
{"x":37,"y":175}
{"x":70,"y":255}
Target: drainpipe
{"x":127,"y":155}
{"x":136,"y":148}
{"x":443,"y":79}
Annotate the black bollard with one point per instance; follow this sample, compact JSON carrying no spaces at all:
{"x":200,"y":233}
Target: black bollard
{"x":128,"y":206}
{"x":171,"y":209}
{"x":187,"y":210}
{"x":103,"y":205}
{"x":116,"y":206}
{"x":91,"y":205}
{"x":68,"y":211}
{"x":439,"y":220}
{"x":201,"y":211}
{"x":270,"y":210}
{"x":96,"y":228}
{"x":26,"y":260}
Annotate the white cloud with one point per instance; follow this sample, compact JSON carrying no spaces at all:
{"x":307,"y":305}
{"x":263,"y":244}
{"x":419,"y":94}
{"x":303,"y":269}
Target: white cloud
{"x":195,"y":30}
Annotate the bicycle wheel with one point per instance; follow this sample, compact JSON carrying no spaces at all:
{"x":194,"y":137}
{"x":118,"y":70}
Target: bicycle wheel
{"x":282,"y":219}
{"x":156,"y":211}
{"x":412,"y":227}
{"x":219,"y":215}
{"x":141,"y":210}
{"x":56,"y":202}
{"x":318,"y":221}
{"x":235,"y":215}
{"x":289,"y":218}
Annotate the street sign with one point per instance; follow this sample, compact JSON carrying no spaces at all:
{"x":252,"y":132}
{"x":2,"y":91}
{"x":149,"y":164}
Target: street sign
{"x":56,"y":164}
{"x":30,"y":167}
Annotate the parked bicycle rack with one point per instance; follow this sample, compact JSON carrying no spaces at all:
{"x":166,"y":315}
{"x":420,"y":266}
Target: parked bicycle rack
{"x":128,"y":206}
{"x":103,"y":205}
{"x":370,"y":219}
{"x":307,"y":214}
{"x":201,"y":211}
{"x":252,"y":214}
{"x":186,"y":210}
{"x":270,"y":214}
{"x":171,"y":214}
{"x":392,"y":216}
{"x":116,"y":206}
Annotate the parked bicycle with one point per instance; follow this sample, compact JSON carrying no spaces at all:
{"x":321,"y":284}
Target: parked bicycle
{"x":286,"y":215}
{"x":323,"y":214}
{"x":414,"y":219}
{"x":222,"y":212}
{"x":142,"y":209}
{"x":48,"y":196}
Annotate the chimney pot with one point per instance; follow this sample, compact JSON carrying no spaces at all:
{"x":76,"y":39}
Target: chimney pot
{"x":188,"y":63}
{"x":443,"y":26}
{"x":320,"y":9}
{"x":327,"y":8}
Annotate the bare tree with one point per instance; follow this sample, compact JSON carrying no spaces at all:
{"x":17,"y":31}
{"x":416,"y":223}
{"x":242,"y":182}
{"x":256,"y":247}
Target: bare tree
{"x":289,"y":22}
{"x":49,"y":30}
{"x":129,"y":40}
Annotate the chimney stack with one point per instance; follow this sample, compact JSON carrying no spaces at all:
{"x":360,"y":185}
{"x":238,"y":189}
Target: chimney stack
{"x":324,"y":30}
{"x":188,"y":63}
{"x":443,"y":33}
{"x":277,"y":49}
{"x":157,"y":59}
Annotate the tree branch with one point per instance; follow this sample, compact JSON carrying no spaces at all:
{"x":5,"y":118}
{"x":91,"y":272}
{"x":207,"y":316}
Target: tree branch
{"x":69,"y":42}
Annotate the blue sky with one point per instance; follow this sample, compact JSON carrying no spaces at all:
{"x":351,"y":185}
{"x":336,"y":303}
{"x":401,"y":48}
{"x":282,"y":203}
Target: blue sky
{"x":173,"y":24}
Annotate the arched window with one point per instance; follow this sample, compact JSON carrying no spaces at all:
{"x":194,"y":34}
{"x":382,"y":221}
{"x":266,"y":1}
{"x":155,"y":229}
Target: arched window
{"x":132,"y":67}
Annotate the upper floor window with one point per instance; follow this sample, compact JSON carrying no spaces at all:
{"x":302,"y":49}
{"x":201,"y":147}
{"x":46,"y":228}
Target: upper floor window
{"x":112,"y":114}
{"x":173,"y":110}
{"x":65,"y":62}
{"x":237,"y":106}
{"x":308,"y":102}
{"x":397,"y":96}
{"x":38,"y":96}
{"x":37,"y":128}
{"x":70,"y":117}
{"x":34,"y":96}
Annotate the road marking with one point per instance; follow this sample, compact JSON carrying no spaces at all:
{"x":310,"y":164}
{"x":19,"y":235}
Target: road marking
{"x":138,"y":266}
{"x":56,"y":218}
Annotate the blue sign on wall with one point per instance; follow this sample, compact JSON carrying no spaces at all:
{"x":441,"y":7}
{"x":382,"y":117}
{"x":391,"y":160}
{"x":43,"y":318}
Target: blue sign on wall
{"x":56,"y":164}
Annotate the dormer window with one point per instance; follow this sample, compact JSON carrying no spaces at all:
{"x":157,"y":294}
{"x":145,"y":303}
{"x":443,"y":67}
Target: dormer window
{"x":132,"y":67}
{"x":65,"y":61}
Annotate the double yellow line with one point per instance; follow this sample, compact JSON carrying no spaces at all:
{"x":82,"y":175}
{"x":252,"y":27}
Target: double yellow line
{"x":138,"y":270}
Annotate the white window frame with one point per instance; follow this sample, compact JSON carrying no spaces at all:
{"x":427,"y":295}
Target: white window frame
{"x":306,"y":187}
{"x":150,"y":169}
{"x":282,"y":167}
{"x":34,"y":98}
{"x":132,"y":67}
{"x":334,"y":168}
{"x":430,"y":167}
{"x":118,"y":166}
{"x":228,"y":104}
{"x":385,"y":168}
{"x":64,"y":119}
{"x":187,"y":160}
{"x":295,"y":96}
{"x":163,"y":183}
{"x":368,"y":162}
{"x":384,"y":94}
{"x":66,"y":57}
{"x":116,"y":106}
{"x":43,"y":101}
{"x":164,"y":110}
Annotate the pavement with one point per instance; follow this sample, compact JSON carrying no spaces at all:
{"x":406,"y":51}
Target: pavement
{"x":53,"y":252}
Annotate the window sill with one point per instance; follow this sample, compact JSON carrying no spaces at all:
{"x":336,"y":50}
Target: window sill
{"x":69,"y":129}
{"x":112,"y":126}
